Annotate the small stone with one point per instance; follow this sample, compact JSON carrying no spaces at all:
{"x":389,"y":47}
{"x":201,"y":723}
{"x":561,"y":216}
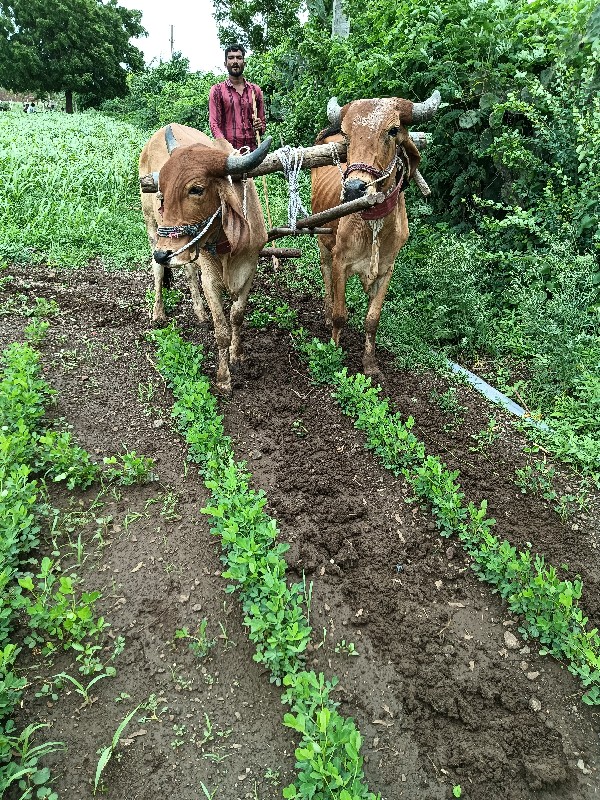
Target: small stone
{"x":158,"y":423}
{"x":531,"y":676}
{"x":511,"y":641}
{"x":197,"y":607}
{"x":183,"y":598}
{"x":534,"y":704}
{"x":581,"y":765}
{"x":524,"y":651}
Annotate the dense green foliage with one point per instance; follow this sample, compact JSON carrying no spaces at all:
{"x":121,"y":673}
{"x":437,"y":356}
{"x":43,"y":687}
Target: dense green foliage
{"x":521,"y":119}
{"x":69,"y":190}
{"x":166,"y":93}
{"x":81,"y":46}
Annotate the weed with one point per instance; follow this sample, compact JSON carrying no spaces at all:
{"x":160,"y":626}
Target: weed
{"x":171,"y":299}
{"x":25,"y":770}
{"x":537,"y":478}
{"x":82,"y":690}
{"x":299,"y":428}
{"x":152,"y":705}
{"x":486,"y":437}
{"x":107,"y":752}
{"x":456,"y":790}
{"x":227,"y":642}
{"x":199,"y":643}
{"x":449,"y":404}
{"x":131,"y":468}
{"x":207,"y":793}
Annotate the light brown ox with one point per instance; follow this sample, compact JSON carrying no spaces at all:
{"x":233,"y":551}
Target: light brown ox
{"x":197,"y":220}
{"x":380,"y":157}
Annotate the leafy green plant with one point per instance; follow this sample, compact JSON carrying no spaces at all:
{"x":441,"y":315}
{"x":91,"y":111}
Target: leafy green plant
{"x":128,"y":468}
{"x":536,"y":478}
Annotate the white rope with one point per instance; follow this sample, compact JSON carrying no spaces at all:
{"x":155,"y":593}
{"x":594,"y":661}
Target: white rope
{"x":291,"y":161}
{"x":245,"y":200}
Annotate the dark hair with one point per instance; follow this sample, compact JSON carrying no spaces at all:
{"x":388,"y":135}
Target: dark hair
{"x":232,"y":48}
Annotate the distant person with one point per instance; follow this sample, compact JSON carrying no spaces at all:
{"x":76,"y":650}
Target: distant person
{"x":236,"y":107}
{"x":31,"y":109}
{"x":25,"y":107}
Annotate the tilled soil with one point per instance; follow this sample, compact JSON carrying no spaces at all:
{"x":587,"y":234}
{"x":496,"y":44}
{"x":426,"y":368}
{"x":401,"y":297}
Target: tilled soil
{"x":441,"y":693}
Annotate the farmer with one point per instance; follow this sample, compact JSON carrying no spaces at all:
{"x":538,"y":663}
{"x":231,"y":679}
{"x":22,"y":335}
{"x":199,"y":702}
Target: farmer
{"x":236,"y":108}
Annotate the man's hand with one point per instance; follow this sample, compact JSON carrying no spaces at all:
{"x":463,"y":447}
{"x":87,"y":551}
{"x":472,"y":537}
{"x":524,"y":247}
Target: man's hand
{"x":257,"y":124}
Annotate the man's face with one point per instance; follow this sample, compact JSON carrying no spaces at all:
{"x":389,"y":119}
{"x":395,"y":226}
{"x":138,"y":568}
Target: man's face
{"x":235,"y":63}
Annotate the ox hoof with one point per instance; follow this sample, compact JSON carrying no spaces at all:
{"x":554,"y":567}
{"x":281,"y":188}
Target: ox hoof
{"x":377,"y":377}
{"x":224,"y":389}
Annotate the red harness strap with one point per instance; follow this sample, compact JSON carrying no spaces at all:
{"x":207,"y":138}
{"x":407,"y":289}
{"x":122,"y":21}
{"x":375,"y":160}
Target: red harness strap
{"x":383,"y":209}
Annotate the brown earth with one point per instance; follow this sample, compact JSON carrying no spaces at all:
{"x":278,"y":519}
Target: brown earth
{"x":439,"y":694}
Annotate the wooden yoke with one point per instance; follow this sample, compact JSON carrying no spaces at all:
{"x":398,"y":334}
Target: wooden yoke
{"x":319,"y":155}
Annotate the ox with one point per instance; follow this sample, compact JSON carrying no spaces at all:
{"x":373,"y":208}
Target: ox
{"x":380,"y":158}
{"x":199,"y":218}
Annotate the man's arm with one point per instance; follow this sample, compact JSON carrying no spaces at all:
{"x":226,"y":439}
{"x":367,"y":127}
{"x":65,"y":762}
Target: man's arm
{"x":215,"y":112}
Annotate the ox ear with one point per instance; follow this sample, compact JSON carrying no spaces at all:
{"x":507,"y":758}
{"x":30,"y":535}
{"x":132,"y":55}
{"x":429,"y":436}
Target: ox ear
{"x":414,"y":156}
{"x":235,"y":225}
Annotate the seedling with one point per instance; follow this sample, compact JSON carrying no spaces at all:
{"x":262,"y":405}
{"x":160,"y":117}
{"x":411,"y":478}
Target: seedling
{"x":199,"y":643}
{"x":346,"y":647}
{"x":151,"y":705}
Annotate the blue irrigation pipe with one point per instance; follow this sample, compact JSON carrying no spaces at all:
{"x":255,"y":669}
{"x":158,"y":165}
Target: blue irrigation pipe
{"x":496,"y":396}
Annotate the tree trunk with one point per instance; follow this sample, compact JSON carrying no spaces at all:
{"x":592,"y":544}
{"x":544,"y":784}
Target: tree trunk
{"x":69,"y":101}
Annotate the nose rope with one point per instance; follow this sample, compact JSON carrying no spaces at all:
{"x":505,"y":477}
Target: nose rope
{"x":176,"y":231}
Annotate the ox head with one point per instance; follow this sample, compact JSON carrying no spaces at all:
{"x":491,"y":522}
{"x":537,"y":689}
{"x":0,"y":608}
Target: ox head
{"x":195,"y":188}
{"x":379,"y":146}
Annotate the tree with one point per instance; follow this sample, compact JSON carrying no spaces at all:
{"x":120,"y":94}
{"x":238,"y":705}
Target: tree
{"x":258,"y":24}
{"x":69,"y":46}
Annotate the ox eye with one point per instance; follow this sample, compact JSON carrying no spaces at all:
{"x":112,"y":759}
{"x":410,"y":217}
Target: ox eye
{"x":393,"y":132}
{"x":197,"y":190}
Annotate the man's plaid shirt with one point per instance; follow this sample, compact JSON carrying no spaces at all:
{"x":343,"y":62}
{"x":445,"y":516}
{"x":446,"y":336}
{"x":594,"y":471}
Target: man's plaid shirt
{"x":230,"y":113}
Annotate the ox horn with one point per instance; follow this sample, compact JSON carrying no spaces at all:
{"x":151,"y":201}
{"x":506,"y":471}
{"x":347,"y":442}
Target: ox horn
{"x":424,"y":111}
{"x":238,"y":165}
{"x":334,"y":111}
{"x":170,"y":139}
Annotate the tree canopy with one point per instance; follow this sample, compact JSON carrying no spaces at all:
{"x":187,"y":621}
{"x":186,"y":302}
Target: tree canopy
{"x":258,"y":24}
{"x":71,"y":46}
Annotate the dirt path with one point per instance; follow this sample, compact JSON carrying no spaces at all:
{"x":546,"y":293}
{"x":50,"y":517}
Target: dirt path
{"x":438,"y":694}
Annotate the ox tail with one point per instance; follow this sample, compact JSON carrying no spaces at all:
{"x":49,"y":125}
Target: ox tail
{"x":168,"y":281}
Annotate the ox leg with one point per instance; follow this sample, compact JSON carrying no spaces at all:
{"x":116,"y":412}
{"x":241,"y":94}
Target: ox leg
{"x":326,"y":267}
{"x":238,"y":311}
{"x":197,"y":301}
{"x":339,"y":310}
{"x":159,"y":316}
{"x":376,"y":292}
{"x":212,"y":287}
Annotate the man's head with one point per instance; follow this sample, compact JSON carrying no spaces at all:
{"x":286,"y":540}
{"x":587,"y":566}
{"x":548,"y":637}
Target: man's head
{"x":234,"y":60}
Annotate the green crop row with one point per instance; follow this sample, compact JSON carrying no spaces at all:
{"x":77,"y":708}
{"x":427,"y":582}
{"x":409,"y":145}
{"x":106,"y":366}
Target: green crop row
{"x":328,"y":759}
{"x":547,"y":604}
{"x":57,"y":612}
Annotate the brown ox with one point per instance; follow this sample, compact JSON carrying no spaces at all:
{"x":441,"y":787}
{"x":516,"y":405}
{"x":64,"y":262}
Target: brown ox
{"x":199,"y":218}
{"x":381,"y":158}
